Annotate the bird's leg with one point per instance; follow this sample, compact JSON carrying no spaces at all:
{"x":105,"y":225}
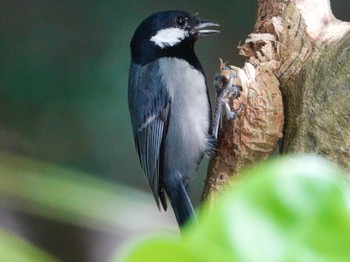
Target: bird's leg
{"x":223,"y":95}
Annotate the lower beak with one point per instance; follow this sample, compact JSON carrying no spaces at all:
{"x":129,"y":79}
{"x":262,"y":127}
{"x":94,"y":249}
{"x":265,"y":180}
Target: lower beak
{"x":200,"y":30}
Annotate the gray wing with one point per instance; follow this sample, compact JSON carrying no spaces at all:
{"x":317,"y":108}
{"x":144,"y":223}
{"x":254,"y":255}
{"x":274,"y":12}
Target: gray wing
{"x":149,"y":106}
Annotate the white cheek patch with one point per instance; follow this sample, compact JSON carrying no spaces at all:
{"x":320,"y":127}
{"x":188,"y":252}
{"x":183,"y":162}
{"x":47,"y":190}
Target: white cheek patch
{"x":169,"y":37}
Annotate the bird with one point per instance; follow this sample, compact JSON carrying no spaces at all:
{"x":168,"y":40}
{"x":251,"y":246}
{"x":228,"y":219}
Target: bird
{"x":169,"y":105}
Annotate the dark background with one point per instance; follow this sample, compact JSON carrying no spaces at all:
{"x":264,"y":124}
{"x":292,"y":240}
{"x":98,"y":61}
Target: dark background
{"x":63,"y":77}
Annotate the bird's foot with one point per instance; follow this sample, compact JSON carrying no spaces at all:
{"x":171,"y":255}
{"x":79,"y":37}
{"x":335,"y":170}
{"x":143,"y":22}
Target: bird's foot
{"x":224,"y":94}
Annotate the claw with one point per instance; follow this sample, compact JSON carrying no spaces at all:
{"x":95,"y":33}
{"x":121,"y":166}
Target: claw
{"x":230,"y":92}
{"x":224,"y":93}
{"x":232,"y":114}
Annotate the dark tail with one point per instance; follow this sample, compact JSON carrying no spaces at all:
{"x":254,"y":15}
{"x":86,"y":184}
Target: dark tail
{"x":176,"y":190}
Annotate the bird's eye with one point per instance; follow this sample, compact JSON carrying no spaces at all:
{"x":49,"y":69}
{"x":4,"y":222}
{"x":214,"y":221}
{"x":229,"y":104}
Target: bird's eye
{"x":181,"y":21}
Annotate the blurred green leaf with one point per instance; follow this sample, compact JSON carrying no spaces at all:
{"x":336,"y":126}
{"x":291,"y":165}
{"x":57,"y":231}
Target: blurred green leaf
{"x":289,"y":209}
{"x":15,"y":249}
{"x":167,"y":248}
{"x":73,"y":196}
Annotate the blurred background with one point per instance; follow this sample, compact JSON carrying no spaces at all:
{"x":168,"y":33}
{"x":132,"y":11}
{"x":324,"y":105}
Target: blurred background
{"x":63,"y":100}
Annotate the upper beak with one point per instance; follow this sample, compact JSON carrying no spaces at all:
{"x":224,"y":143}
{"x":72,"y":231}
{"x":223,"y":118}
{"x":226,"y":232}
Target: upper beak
{"x":200,"y":31}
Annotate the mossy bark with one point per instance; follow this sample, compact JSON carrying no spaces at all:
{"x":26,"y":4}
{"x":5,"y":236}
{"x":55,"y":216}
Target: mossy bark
{"x":300,"y":88}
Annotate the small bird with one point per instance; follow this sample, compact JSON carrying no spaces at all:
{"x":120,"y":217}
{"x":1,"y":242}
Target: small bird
{"x":169,"y":105}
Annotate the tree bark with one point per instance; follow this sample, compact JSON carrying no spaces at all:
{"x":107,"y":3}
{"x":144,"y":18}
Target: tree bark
{"x":295,"y":90}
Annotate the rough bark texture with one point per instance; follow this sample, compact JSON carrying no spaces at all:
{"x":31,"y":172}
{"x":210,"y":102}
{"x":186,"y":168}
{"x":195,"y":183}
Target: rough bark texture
{"x":296,"y":81}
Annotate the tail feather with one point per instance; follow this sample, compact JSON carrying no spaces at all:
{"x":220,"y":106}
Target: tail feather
{"x":179,"y":200}
{"x":162,"y":198}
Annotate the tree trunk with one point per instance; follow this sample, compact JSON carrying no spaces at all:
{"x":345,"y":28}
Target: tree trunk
{"x":295,"y":90}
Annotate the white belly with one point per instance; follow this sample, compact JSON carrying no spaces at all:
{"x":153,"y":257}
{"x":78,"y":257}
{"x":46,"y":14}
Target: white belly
{"x":188,"y":137}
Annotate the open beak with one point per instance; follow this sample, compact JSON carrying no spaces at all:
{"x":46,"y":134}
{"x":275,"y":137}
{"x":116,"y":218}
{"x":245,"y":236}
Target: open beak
{"x":200,"y":30}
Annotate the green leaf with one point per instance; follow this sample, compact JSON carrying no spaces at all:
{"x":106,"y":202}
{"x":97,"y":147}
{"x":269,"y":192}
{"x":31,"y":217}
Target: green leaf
{"x":72,"y":196}
{"x":13,"y":248}
{"x":163,"y":248}
{"x":288,"y":209}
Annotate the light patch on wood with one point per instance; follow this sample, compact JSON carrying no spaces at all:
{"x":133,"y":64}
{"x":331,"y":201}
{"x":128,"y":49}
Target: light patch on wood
{"x":261,"y":37}
{"x":320,"y":21}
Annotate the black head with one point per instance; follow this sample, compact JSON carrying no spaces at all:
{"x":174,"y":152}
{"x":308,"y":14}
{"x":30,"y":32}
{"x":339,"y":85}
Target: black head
{"x":168,"y":34}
